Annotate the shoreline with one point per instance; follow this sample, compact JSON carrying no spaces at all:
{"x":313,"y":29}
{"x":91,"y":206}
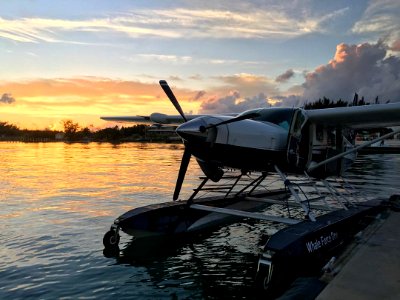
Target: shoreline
{"x":87,"y":141}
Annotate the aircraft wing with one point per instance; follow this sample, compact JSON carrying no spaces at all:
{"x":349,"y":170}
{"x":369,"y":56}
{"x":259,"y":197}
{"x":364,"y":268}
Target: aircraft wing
{"x":366,"y":116}
{"x":136,"y":119}
{"x":154,"y":118}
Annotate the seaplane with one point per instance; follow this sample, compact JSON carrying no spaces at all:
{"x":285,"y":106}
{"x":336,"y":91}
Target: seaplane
{"x":241,"y":156}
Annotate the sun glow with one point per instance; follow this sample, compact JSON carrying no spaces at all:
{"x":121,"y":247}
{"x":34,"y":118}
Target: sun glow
{"x":43,"y":103}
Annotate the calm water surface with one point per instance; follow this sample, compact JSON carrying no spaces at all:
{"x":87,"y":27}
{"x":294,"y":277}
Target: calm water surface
{"x":57,"y":200}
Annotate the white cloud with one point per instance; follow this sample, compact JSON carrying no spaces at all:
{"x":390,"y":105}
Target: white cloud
{"x":165,"y":58}
{"x":366,"y":69}
{"x":35,"y":30}
{"x":172,"y":23}
{"x":363,"y":68}
{"x":238,"y":93}
{"x":232,"y":103}
{"x":249,"y":84}
{"x":381,"y":18}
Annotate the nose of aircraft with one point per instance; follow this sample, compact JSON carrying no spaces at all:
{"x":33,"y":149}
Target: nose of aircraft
{"x":191,"y":130}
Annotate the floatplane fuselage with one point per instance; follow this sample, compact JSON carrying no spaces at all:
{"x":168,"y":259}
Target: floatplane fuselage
{"x":316,"y":144}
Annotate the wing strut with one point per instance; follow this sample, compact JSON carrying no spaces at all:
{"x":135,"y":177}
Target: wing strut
{"x":297,"y":198}
{"x":326,"y":161}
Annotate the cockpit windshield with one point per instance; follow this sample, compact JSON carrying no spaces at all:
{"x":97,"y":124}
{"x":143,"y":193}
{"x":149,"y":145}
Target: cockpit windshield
{"x":276,"y":115}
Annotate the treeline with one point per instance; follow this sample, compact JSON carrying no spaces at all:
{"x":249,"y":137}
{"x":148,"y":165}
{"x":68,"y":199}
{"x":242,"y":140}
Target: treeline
{"x":12,"y":132}
{"x":73,"y":132}
{"x":328,"y":103}
{"x":136,"y":132}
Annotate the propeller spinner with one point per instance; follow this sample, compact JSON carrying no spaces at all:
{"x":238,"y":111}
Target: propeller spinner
{"x":210,"y":170}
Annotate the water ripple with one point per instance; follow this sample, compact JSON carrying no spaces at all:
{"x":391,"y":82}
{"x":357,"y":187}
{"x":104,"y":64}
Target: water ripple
{"x":57,"y":201}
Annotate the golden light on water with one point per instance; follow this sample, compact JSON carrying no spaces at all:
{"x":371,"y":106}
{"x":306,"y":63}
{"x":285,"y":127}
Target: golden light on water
{"x":85,"y":179}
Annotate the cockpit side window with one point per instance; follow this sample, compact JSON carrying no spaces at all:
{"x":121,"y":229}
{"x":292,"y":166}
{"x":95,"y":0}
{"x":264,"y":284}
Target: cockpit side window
{"x":279,"y":116}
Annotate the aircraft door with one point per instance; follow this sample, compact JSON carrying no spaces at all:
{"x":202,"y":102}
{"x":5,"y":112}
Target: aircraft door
{"x":299,"y":139}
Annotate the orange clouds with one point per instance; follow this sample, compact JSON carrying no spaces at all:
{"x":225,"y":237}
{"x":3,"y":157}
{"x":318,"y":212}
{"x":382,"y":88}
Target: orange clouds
{"x":42,"y":102}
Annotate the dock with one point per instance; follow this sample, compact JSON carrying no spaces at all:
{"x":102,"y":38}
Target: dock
{"x":372,"y":270}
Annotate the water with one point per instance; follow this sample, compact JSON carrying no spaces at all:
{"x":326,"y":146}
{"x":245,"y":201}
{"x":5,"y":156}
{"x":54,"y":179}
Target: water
{"x":57,"y":200}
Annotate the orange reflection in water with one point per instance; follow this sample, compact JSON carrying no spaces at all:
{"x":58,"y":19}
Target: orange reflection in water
{"x":88,"y":180}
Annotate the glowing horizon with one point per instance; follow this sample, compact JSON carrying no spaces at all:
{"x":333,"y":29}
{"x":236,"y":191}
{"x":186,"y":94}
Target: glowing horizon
{"x":80,"y":61}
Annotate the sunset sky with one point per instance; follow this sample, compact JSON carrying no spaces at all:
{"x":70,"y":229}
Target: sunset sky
{"x":81,"y":60}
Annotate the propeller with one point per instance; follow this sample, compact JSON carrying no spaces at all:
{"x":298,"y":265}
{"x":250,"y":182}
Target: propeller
{"x":186,"y":153}
{"x":182,"y":171}
{"x":237,"y":119}
{"x":172,"y":98}
{"x":211,"y":171}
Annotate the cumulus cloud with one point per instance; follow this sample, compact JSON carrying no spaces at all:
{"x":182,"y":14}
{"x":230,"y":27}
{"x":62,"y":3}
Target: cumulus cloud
{"x":238,"y":93}
{"x":365,"y":69}
{"x":232,"y":103}
{"x":287,"y":101}
{"x":7,"y":98}
{"x":395,"y":46}
{"x":285,"y":76}
{"x":249,"y":84}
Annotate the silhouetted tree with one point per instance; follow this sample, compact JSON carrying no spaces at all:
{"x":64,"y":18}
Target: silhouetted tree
{"x":355,"y":99}
{"x":70,"y":130}
{"x":325,"y":103}
{"x":7,"y":129}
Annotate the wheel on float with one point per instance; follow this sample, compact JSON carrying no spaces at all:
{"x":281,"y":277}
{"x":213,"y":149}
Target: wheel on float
{"x":262,"y":278}
{"x":111,"y":239}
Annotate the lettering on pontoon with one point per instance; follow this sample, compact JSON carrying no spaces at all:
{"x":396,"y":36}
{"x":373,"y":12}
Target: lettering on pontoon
{"x":323,"y":240}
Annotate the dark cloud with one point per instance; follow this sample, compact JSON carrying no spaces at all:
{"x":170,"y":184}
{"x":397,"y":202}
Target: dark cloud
{"x":285,"y":76}
{"x":232,"y":103}
{"x":199,"y":95}
{"x":7,"y":98}
{"x":365,"y":69}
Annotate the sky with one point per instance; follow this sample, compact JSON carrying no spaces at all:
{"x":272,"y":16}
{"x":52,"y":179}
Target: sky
{"x":80,"y":60}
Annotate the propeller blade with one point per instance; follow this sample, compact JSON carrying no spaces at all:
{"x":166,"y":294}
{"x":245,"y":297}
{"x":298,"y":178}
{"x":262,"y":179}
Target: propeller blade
{"x":182,"y":171}
{"x":172,"y":98}
{"x":237,"y":119}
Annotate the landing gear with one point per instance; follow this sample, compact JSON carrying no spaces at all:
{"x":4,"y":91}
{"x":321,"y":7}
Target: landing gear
{"x":111,"y":238}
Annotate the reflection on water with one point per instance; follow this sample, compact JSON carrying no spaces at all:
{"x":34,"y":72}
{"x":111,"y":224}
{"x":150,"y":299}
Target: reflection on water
{"x":57,"y":200}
